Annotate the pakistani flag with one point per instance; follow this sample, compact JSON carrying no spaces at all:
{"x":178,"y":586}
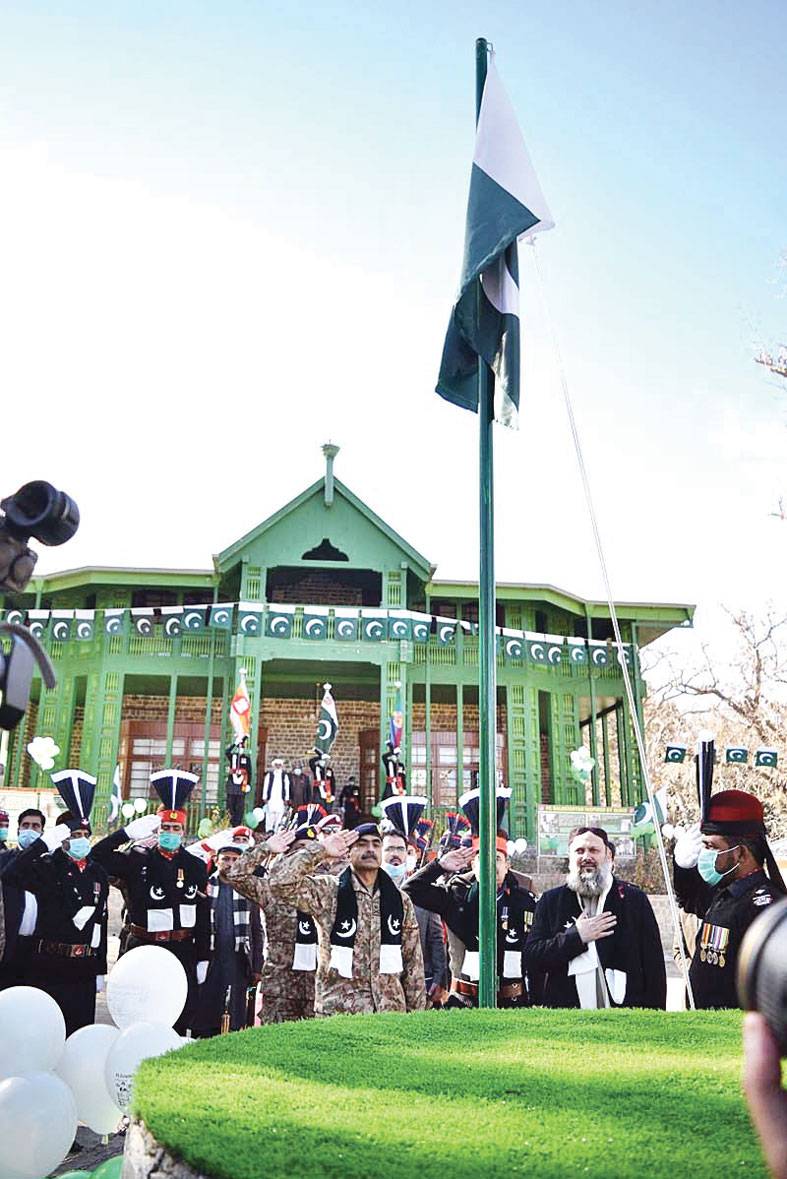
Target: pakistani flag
{"x":736,"y":755}
{"x":115,"y":797}
{"x":766,"y":757}
{"x":675,"y":753}
{"x":328,"y":722}
{"x":505,"y":204}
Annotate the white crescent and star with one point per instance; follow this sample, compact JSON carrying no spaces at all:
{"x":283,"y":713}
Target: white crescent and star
{"x":348,"y":929}
{"x":393,"y":925}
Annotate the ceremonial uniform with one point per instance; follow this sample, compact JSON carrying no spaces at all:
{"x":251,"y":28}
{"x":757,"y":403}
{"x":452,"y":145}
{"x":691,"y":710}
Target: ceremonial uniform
{"x":355,"y":979}
{"x":165,"y":890}
{"x":238,"y":784}
{"x":287,"y":993}
{"x":67,"y":948}
{"x":631,"y":959}
{"x":456,"y":901}
{"x":725,"y":902}
{"x":323,"y":780}
{"x":20,"y":909}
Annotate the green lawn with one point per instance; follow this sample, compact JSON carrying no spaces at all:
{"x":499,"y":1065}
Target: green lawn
{"x":450,"y":1095}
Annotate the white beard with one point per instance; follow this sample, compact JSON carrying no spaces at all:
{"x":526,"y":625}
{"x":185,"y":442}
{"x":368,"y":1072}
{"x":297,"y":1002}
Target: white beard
{"x":589,"y":882}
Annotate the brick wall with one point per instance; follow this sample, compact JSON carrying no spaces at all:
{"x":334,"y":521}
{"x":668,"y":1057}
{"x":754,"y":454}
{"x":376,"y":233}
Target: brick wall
{"x":318,"y":589}
{"x":189,"y":709}
{"x":77,"y":725}
{"x":443,"y":717}
{"x":292,"y":724}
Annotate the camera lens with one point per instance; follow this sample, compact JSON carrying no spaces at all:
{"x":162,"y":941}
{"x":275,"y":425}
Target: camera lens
{"x":762,"y":970}
{"x":40,"y":510}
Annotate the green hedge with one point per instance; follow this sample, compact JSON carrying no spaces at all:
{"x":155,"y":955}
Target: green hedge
{"x":450,"y":1095}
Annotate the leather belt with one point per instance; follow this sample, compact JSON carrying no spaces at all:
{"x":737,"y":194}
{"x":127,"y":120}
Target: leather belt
{"x":64,"y":949}
{"x":513,"y":990}
{"x":164,"y":935}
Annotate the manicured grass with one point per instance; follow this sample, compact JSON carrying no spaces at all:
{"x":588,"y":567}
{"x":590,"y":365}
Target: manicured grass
{"x":455,"y":1095}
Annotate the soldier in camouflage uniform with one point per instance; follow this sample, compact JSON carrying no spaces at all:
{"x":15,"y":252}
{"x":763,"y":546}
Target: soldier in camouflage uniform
{"x":383,"y":968}
{"x":286,"y":993}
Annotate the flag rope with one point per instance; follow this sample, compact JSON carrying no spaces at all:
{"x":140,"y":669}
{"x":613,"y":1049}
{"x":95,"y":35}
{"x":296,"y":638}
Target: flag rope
{"x":638,"y":734}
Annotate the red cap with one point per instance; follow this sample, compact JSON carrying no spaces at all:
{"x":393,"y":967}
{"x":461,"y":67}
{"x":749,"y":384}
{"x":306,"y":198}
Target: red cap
{"x":168,"y":816}
{"x":734,"y":812}
{"x":501,"y":844}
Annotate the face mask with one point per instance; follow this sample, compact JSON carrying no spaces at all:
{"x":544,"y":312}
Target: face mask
{"x":27,"y":836}
{"x":706,"y":865}
{"x":395,"y":871}
{"x":169,"y":840}
{"x":3,"y":834}
{"x":78,"y":849}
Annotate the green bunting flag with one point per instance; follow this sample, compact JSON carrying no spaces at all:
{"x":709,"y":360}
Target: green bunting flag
{"x":400,"y":626}
{"x":38,"y":623}
{"x":577,"y":651}
{"x":113,"y":621}
{"x":446,"y":631}
{"x":599,"y":653}
{"x":315,"y":624}
{"x":346,"y":626}
{"x":143,"y":619}
{"x":62,"y":625}
{"x":279,"y":622}
{"x":220,"y":617}
{"x":766,"y":759}
{"x":85,"y":623}
{"x":373,"y":626}
{"x":193,"y":619}
{"x":513,"y":645}
{"x":736,"y":755}
{"x":250,"y":619}
{"x":16,"y":616}
{"x":173,"y":620}
{"x":422,"y":627}
{"x":675,"y":753}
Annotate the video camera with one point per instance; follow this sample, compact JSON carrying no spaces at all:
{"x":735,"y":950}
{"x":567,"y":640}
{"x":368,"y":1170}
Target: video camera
{"x":762,"y":970}
{"x":40,"y":510}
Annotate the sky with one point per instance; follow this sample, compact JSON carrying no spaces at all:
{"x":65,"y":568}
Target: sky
{"x":233,"y":232}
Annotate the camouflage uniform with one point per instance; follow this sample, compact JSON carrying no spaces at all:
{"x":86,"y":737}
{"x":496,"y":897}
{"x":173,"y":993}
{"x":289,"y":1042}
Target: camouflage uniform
{"x":297,"y":880}
{"x":286,"y":993}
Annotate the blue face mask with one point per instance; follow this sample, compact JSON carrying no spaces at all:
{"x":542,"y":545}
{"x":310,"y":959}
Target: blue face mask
{"x":3,"y":834}
{"x":706,"y":865}
{"x":169,"y":840}
{"x":78,"y":849}
{"x":27,"y":836}
{"x":395,"y":871}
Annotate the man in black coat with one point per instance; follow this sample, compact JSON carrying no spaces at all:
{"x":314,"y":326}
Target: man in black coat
{"x":67,"y":954}
{"x":165,"y":886}
{"x":237,"y":787}
{"x":455,"y":899}
{"x":20,"y":905}
{"x":595,"y":938}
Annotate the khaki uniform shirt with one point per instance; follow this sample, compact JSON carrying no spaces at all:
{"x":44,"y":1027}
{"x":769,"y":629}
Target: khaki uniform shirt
{"x":294,"y":879}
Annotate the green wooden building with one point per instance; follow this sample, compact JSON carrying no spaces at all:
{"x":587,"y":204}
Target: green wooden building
{"x":326,"y":591}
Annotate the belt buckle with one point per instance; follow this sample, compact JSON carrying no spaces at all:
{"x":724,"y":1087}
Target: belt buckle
{"x":79,"y":951}
{"x":161,"y":936}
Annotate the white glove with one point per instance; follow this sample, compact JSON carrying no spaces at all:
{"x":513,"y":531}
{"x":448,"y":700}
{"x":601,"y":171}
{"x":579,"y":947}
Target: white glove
{"x":688,"y":847}
{"x":202,"y":970}
{"x":101,"y":983}
{"x":142,"y":828}
{"x":53,"y":839}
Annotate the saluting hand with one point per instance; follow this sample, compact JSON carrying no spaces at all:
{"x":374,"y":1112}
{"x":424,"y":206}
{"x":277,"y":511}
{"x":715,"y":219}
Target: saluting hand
{"x":337,"y":845}
{"x":457,"y":860}
{"x":592,"y":929}
{"x":281,"y":841}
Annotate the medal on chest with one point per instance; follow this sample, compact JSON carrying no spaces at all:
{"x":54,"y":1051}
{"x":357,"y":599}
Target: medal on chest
{"x":181,"y":880}
{"x":714,"y":941}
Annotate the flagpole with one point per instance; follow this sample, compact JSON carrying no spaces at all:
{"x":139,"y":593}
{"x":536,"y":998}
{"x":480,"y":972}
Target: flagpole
{"x":487,"y":653}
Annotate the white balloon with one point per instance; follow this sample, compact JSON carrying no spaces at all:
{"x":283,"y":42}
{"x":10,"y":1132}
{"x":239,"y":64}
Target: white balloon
{"x":127,"y":810}
{"x":135,"y":1044}
{"x":141,"y":805}
{"x":521,"y":845}
{"x":32,"y":1032}
{"x":147,"y":981}
{"x":83,"y":1068}
{"x":38,"y":1121}
{"x":668,"y":831}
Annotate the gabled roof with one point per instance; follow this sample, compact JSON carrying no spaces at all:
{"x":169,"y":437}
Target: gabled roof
{"x":419,"y":563}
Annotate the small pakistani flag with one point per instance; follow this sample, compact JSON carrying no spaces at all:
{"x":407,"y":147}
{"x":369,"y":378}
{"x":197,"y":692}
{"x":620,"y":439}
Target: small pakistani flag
{"x":250,"y":619}
{"x":85,"y":621}
{"x":113,"y":621}
{"x":675,"y":753}
{"x":446,"y":631}
{"x":577,"y":651}
{"x":767,"y":758}
{"x":513,"y":644}
{"x":194,"y":619}
{"x":16,"y":616}
{"x":422,"y":627}
{"x":220,"y":617}
{"x":736,"y":755}
{"x":327,"y":723}
{"x":38,"y":622}
{"x":536,"y":650}
{"x":62,"y":623}
{"x":373,"y":626}
{"x":599,"y":653}
{"x":279,"y":622}
{"x":400,"y":625}
{"x":115,"y":797}
{"x":315,"y":623}
{"x":345,"y":626}
{"x":173,"y":620}
{"x":143,"y":621}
